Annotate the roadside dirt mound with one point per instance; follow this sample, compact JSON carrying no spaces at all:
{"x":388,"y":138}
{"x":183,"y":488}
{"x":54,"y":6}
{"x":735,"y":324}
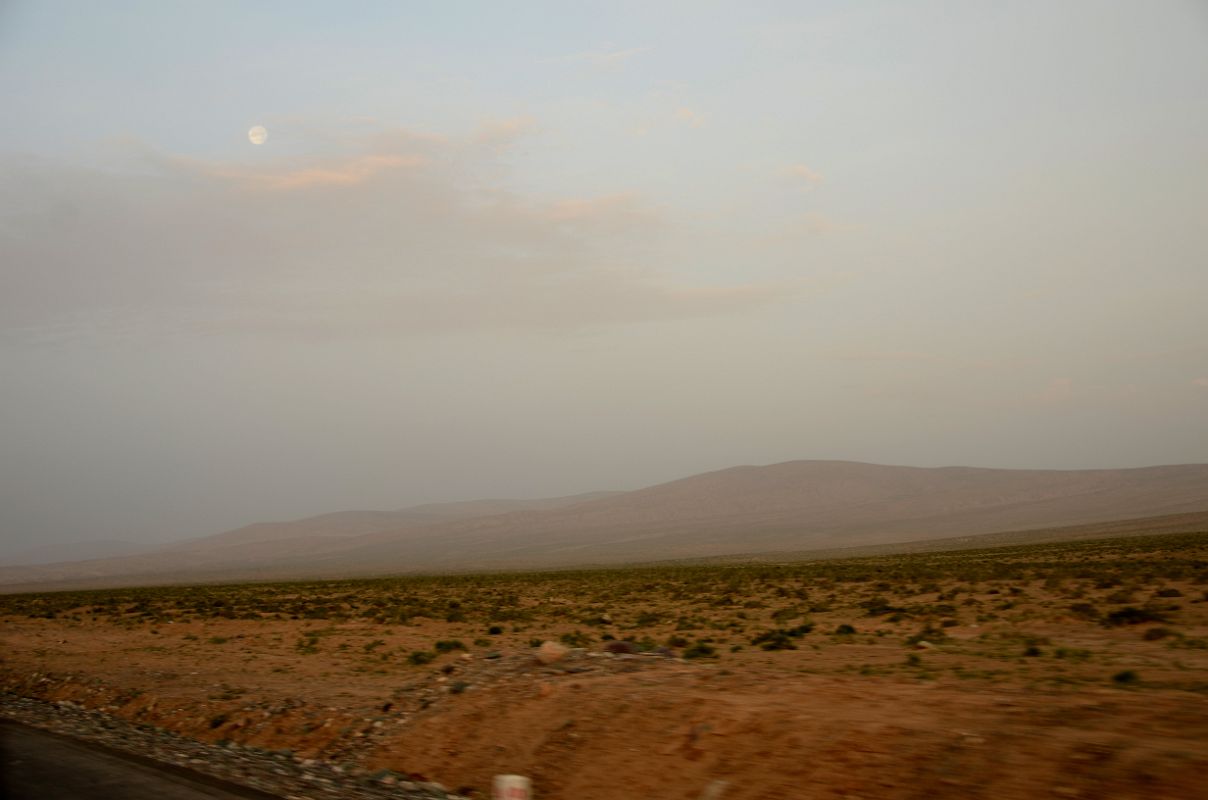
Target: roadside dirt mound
{"x":600,"y":727}
{"x":672,"y":732}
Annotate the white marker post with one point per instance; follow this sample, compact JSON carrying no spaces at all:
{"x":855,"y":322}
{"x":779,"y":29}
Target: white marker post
{"x":511,"y":787}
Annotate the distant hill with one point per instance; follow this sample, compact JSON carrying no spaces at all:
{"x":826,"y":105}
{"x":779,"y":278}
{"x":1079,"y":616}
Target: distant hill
{"x":794,"y":507}
{"x":250,"y":551}
{"x":329,"y":531}
{"x":74,"y":551}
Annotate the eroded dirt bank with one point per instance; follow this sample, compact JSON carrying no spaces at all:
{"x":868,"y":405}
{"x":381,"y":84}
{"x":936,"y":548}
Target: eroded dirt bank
{"x":604,"y":727}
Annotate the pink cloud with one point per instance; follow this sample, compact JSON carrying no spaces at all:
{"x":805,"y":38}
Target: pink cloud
{"x":346,"y":173}
{"x":502,"y":133}
{"x":804,"y":173}
{"x":691,"y":118}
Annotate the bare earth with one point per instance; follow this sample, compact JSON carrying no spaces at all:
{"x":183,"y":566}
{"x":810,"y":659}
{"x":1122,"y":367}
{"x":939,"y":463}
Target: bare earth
{"x":978,"y":681}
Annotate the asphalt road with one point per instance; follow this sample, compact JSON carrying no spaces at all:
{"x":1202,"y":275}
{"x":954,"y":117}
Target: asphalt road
{"x":36,"y":765}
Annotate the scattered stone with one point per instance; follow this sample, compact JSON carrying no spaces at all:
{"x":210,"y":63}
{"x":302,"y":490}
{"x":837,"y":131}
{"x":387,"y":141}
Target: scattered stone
{"x":276,"y":772}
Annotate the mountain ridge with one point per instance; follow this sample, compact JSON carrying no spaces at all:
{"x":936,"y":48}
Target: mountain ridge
{"x":797,"y":506}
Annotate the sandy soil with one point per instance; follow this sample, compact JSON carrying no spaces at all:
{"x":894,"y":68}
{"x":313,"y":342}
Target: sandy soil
{"x":1029,"y":701}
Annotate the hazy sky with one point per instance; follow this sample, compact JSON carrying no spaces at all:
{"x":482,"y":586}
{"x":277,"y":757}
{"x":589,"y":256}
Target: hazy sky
{"x":531,"y":249}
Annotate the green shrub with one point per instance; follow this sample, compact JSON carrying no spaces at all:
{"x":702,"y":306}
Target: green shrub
{"x":774,"y":640}
{"x":576,"y":639}
{"x":879,"y":606}
{"x":1072,"y":654}
{"x":1130,"y":615}
{"x":421,"y":657}
{"x":700,"y":650}
{"x":1085,"y":610}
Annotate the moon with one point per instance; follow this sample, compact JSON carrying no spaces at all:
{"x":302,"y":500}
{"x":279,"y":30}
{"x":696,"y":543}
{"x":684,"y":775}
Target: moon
{"x":257,"y":135}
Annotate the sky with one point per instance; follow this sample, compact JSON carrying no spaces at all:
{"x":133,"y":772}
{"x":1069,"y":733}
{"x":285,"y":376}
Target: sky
{"x":535,"y":249}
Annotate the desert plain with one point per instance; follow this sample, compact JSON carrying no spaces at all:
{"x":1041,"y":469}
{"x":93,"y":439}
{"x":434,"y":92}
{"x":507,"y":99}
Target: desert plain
{"x":1069,"y":669}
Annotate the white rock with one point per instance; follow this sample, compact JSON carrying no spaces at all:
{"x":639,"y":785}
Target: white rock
{"x":551,"y":652}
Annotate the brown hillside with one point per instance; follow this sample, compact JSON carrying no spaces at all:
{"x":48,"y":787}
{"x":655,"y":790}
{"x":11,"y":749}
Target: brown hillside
{"x":791,"y":507}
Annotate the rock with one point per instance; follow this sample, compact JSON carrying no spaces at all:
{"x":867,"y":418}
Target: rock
{"x":551,"y":653}
{"x":924,"y":645}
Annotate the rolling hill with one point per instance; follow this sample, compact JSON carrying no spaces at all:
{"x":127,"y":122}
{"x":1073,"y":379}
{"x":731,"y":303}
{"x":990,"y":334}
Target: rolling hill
{"x":797,"y":506}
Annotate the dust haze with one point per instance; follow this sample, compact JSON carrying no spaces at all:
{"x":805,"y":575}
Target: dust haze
{"x":534,"y":256}
{"x":719,"y":401}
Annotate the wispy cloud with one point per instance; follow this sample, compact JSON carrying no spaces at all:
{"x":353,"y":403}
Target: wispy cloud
{"x":614,"y":211}
{"x":1201,"y":382}
{"x":803,"y":227}
{"x":399,"y":238}
{"x":339,"y":173}
{"x":503,"y":133}
{"x":689,"y":117}
{"x":803,"y":173}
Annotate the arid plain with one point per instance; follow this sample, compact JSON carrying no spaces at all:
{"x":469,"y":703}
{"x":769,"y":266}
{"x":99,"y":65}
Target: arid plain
{"x":1075,"y":669}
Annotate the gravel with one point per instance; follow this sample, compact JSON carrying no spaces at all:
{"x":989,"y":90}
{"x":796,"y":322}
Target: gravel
{"x":278,"y":772}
